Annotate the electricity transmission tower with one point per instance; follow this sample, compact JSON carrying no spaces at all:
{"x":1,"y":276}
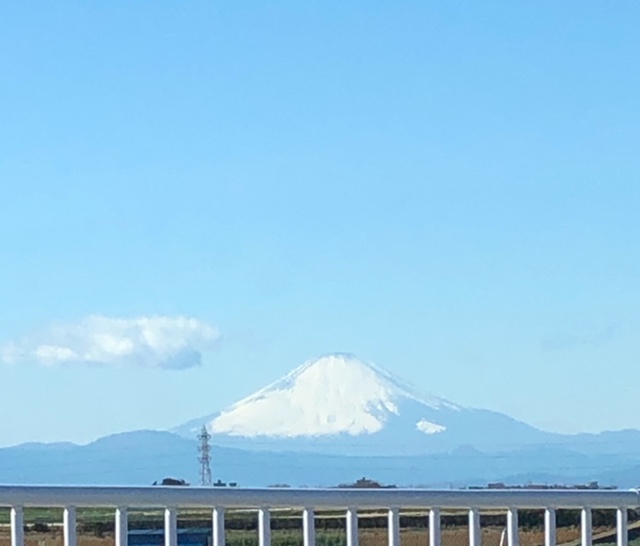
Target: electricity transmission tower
{"x":205,"y":456}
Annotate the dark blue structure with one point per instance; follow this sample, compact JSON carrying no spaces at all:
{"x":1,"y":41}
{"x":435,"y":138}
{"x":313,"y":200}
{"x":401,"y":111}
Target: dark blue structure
{"x":155,"y":537}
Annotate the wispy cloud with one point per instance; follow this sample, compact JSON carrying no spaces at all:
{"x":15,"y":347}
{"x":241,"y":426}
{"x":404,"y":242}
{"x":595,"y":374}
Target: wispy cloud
{"x":592,"y":337}
{"x":151,"y":342}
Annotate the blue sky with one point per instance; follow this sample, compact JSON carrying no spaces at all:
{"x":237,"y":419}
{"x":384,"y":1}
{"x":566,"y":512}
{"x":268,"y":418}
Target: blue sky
{"x":449,"y":189}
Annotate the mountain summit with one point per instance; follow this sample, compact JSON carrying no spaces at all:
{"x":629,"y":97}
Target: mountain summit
{"x":344,"y":405}
{"x":336,"y":394}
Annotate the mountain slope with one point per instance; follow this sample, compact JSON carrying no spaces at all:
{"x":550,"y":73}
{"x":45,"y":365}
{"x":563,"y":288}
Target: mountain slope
{"x":339,"y":404}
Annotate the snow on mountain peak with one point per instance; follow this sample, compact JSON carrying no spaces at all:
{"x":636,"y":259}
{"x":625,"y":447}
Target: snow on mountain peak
{"x":335,"y":394}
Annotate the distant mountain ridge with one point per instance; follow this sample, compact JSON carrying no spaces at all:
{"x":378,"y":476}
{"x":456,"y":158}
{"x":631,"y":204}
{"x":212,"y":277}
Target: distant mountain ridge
{"x":142,"y":457}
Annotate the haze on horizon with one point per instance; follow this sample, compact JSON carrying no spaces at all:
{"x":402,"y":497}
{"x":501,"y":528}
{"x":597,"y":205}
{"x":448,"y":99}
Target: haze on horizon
{"x":198,"y":198}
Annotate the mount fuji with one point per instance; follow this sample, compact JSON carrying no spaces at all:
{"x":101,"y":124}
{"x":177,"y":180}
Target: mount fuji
{"x":341,"y":405}
{"x":331,"y":421}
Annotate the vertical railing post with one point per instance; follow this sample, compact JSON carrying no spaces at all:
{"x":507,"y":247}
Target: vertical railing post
{"x":475,"y":536}
{"x":17,"y":526}
{"x":171,"y":526}
{"x":264,"y":527}
{"x":309,"y":527}
{"x":550,"y":527}
{"x":435,"y":534}
{"x":622,"y":528}
{"x":513,"y":537}
{"x":69,"y":525}
{"x":218,"y":526}
{"x":122,"y":527}
{"x":394,"y":527}
{"x":586,"y":531}
{"x":352,"y":527}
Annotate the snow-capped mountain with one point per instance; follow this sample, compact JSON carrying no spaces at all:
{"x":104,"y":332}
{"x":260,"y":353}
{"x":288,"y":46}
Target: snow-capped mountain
{"x":332,"y":421}
{"x":340,"y":404}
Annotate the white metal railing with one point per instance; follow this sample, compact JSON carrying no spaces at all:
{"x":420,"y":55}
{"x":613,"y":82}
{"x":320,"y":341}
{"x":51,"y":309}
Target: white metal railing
{"x":309,"y":500}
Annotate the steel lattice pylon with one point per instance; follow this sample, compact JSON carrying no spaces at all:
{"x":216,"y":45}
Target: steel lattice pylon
{"x":205,"y":456}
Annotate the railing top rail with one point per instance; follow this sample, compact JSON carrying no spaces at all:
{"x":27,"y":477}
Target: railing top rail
{"x":207,"y":497}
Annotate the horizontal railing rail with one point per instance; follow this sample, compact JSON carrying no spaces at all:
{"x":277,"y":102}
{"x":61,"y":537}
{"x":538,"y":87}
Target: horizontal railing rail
{"x":16,"y":498}
{"x":206,"y":497}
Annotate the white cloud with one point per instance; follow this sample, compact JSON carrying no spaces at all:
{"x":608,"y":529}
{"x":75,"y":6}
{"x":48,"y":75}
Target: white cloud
{"x":151,"y":342}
